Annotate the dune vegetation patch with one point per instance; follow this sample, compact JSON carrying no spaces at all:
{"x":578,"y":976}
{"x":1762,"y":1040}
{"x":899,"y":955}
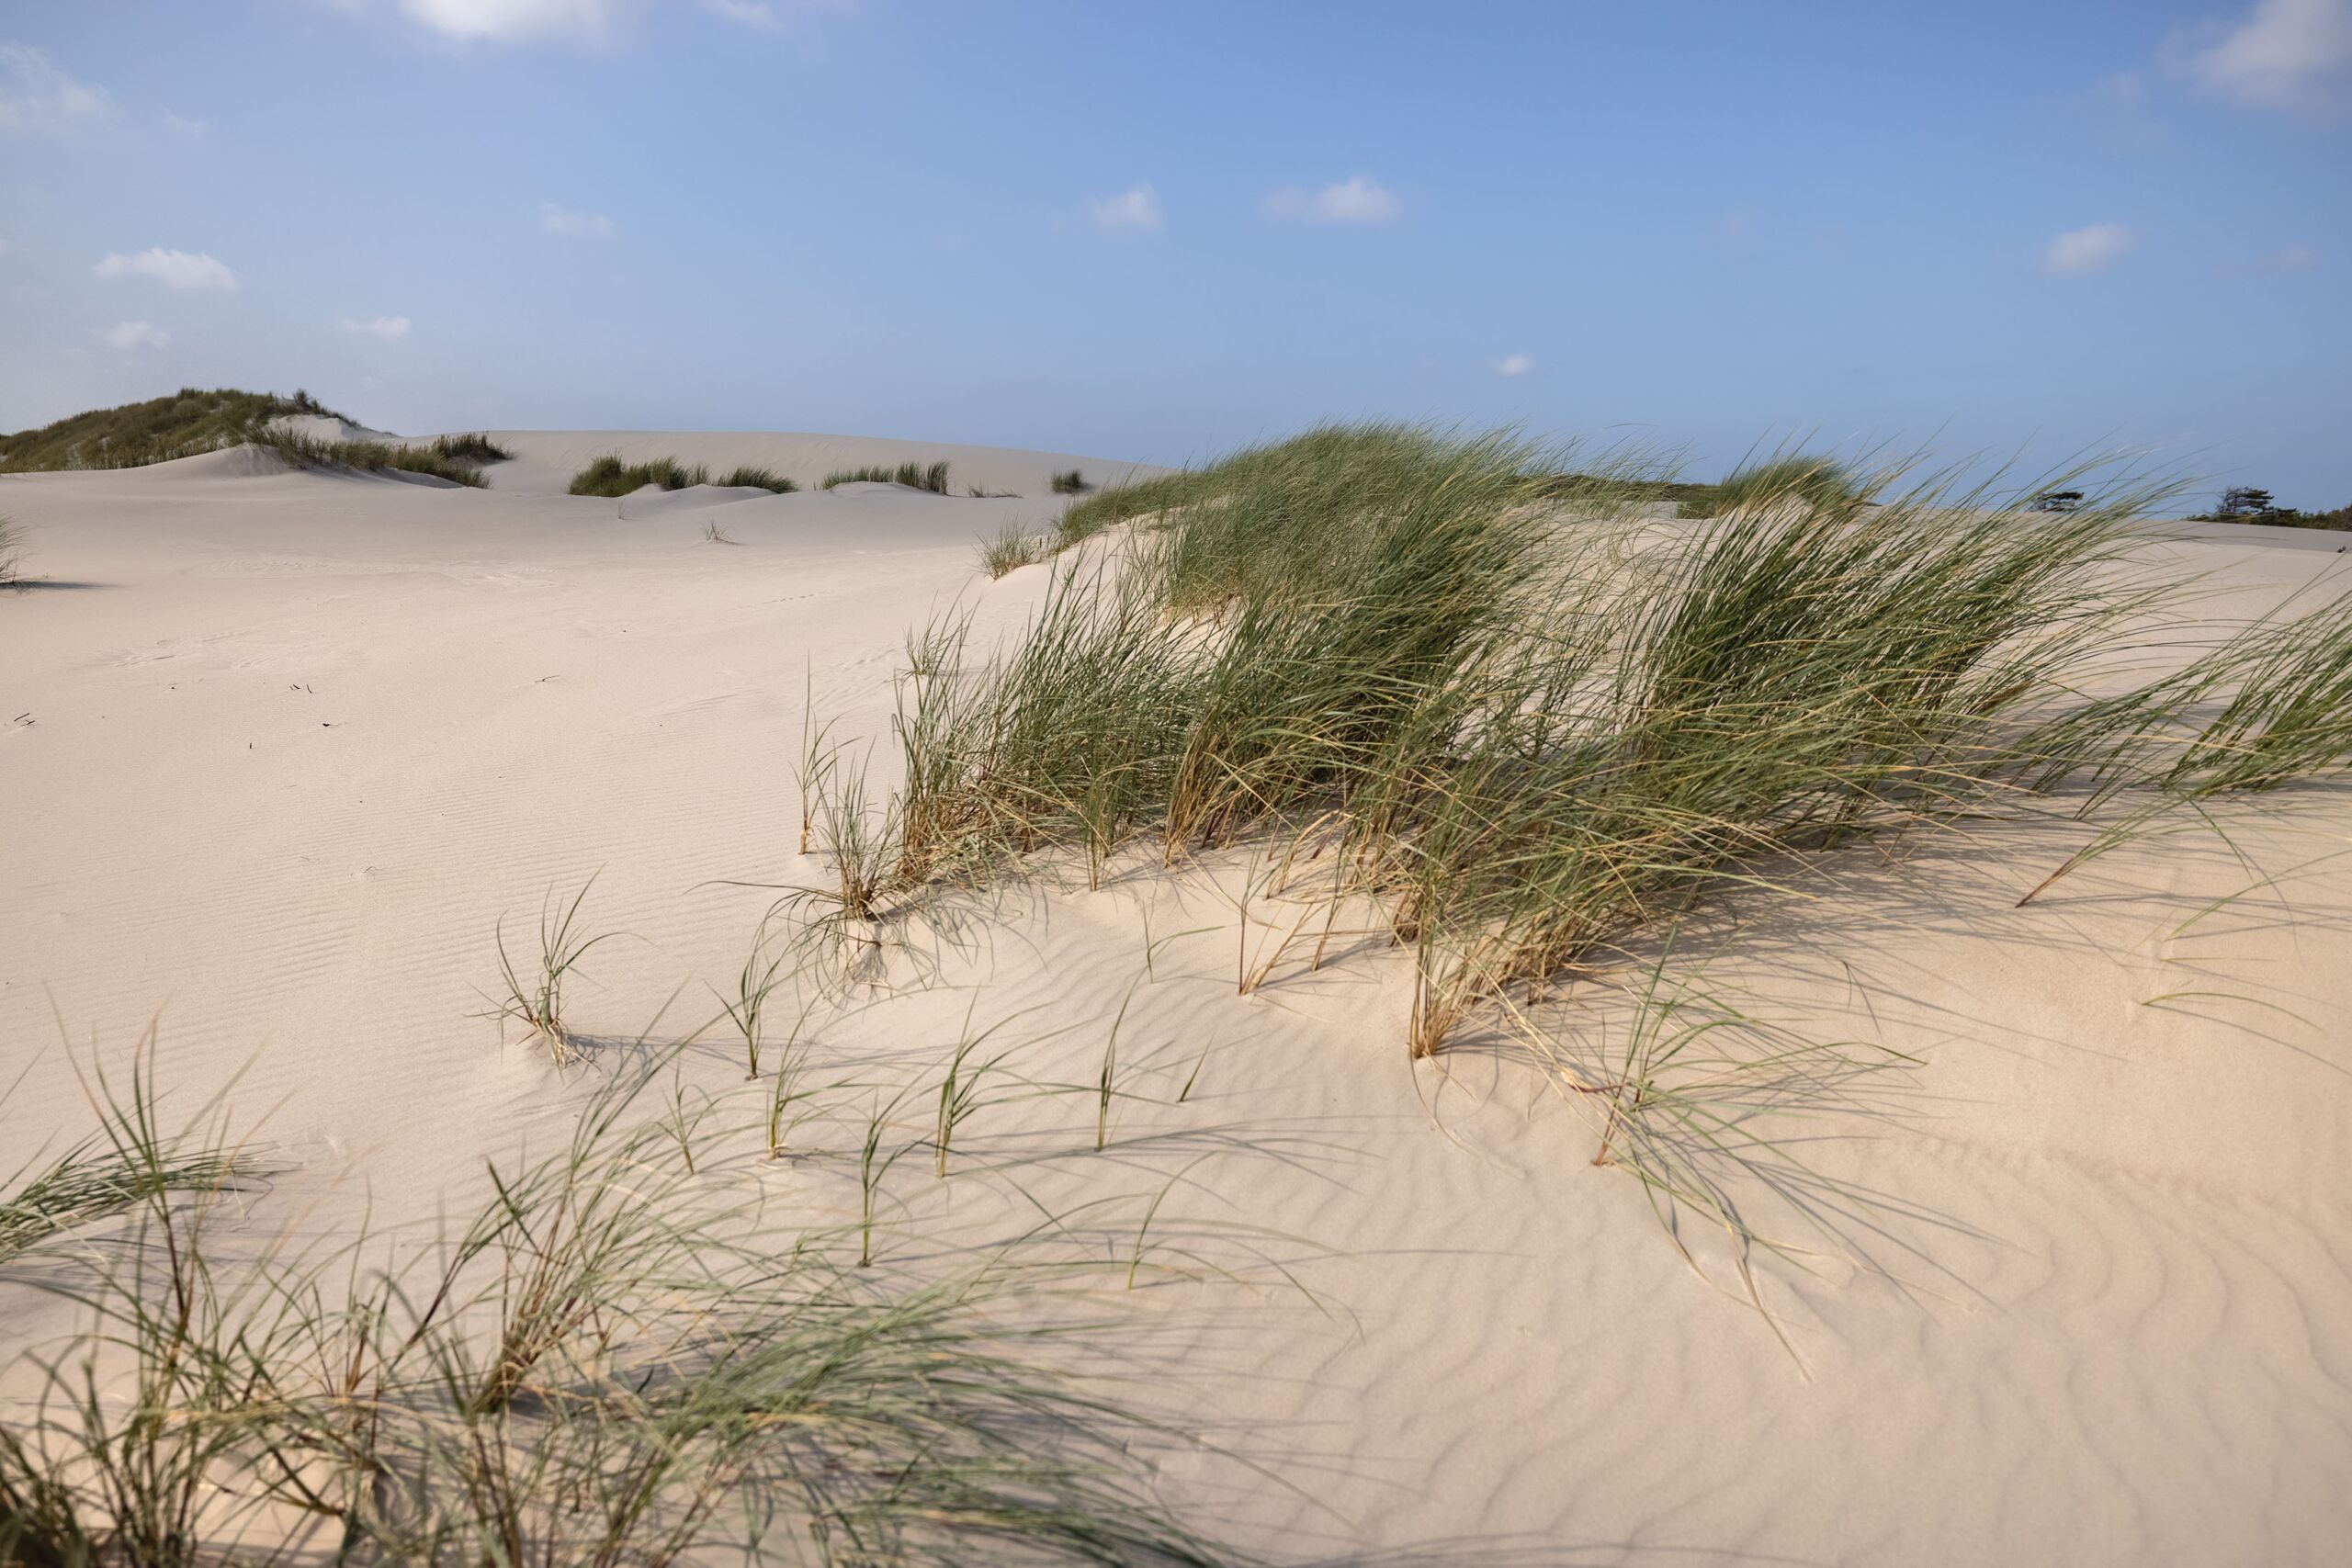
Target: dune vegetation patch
{"x":471,"y":446}
{"x":12,"y":550}
{"x":932,"y":477}
{"x":368,"y":457}
{"x":611,"y":1357}
{"x":188,"y":422}
{"x":610,"y":476}
{"x":1013,"y":547}
{"x":749,"y":476}
{"x":1522,"y":734}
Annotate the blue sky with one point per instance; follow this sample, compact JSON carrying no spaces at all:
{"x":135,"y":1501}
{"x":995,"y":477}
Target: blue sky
{"x":1156,"y":231}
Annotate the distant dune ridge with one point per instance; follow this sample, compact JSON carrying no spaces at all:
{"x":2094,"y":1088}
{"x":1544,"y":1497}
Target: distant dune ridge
{"x":1996,"y":1232}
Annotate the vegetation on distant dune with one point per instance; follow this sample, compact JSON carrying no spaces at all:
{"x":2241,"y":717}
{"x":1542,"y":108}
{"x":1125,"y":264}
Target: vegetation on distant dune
{"x":914,"y":476}
{"x":368,"y":457}
{"x":2245,"y":503}
{"x":472,"y":446}
{"x":748,"y":477}
{"x":189,"y":422}
{"x":610,"y":476}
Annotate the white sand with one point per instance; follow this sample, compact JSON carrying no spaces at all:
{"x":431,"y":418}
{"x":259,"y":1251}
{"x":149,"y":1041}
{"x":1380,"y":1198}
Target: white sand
{"x":292,"y":744}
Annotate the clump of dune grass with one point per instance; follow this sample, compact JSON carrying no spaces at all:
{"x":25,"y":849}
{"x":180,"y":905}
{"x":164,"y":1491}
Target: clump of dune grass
{"x":749,"y":476}
{"x":1070,"y":482}
{"x":1014,"y":546}
{"x":609,"y":1361}
{"x":610,"y":476}
{"x":1524,"y":730}
{"x":368,"y":457}
{"x":1823,"y":482}
{"x":932,"y":477}
{"x":471,"y":446}
{"x":713,"y":533}
{"x":12,"y":550}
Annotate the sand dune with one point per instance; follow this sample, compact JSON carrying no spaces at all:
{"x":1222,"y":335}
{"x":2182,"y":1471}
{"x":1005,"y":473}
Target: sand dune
{"x":280,"y":749}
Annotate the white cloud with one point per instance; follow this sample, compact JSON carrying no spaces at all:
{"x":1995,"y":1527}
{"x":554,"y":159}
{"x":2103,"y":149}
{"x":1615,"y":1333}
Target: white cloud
{"x":500,"y":20}
{"x":1134,"y":210}
{"x":176,"y":269}
{"x":2293,"y":259}
{"x":1360,"y":200}
{"x":2095,"y":247}
{"x":384,"y":329}
{"x":745,"y":12}
{"x":1514,"y":365}
{"x":2287,"y":54}
{"x":127,"y":335}
{"x":180,"y":125}
{"x":563,"y":221}
{"x":36,"y":95}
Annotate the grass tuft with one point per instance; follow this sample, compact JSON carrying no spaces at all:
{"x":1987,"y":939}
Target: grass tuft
{"x":1014,"y":547}
{"x":608,"y":476}
{"x":472,"y":446}
{"x":748,"y":477}
{"x":932,"y":477}
{"x":1071,"y":482}
{"x":12,"y":550}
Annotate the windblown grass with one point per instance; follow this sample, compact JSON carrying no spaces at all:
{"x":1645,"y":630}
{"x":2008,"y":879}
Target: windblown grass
{"x":1822,"y":482}
{"x":609,"y":1362}
{"x":748,"y":477}
{"x":370,"y":456}
{"x":608,"y":476}
{"x":131,"y":1161}
{"x":932,"y":477}
{"x":12,"y":550}
{"x":1523,"y":731}
{"x":1070,"y":482}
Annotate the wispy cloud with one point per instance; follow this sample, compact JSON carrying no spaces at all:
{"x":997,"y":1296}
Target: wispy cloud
{"x":2291,"y":260}
{"x":35,"y":95}
{"x":2294,"y":55}
{"x":1134,"y":210}
{"x":173,"y":269}
{"x":1514,"y":365}
{"x":511,"y":20}
{"x":746,"y":13}
{"x":2095,"y":247}
{"x":383,"y":329}
{"x":563,"y":221}
{"x":1358,"y":200}
{"x":182,"y":125}
{"x":127,"y":335}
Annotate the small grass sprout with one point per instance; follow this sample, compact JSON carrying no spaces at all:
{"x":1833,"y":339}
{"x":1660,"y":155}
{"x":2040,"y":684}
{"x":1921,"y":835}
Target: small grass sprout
{"x":535,"y":995}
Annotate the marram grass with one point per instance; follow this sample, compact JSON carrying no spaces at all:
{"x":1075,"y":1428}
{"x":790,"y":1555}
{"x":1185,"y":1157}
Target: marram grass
{"x":611,"y":1359}
{"x":1527,"y":727}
